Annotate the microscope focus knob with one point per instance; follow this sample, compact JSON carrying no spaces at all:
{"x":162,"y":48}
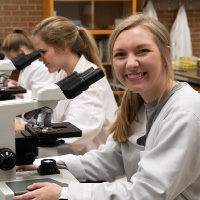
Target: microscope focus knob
{"x":7,"y":159}
{"x":47,"y":167}
{"x":29,"y":156}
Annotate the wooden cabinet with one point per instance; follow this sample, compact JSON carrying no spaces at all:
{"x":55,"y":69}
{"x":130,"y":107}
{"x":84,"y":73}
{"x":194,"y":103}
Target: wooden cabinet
{"x":99,"y":16}
{"x":96,"y":15}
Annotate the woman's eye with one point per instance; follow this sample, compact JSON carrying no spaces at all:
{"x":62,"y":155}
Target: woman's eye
{"x":143,"y":51}
{"x":118,"y":54}
{"x":42,"y":52}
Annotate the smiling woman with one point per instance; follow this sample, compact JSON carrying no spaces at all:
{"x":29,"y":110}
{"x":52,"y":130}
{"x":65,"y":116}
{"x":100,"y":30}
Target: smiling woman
{"x":154,"y":141}
{"x":146,"y":56}
{"x":139,"y":65}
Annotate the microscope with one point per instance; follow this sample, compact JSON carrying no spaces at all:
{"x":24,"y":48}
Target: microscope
{"x":7,"y":66}
{"x":21,"y":149}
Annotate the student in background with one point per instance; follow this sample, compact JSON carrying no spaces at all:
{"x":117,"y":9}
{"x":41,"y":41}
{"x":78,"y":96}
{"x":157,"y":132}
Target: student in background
{"x":155,"y":138}
{"x":15,"y":43}
{"x":66,"y":48}
{"x":19,"y":42}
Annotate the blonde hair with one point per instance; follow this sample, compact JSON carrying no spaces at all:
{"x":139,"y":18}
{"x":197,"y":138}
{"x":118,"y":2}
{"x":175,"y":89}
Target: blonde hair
{"x":17,"y":39}
{"x":130,"y":104}
{"x":60,"y":32}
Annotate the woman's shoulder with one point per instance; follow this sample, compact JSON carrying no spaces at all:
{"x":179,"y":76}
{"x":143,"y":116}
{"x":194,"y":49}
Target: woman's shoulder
{"x":186,"y":99}
{"x":187,"y":92}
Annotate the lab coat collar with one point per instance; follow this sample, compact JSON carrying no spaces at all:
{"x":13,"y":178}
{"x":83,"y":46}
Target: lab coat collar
{"x":80,"y":66}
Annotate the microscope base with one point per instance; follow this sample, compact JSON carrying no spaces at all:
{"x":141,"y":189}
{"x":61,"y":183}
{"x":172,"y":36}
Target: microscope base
{"x":6,"y":193}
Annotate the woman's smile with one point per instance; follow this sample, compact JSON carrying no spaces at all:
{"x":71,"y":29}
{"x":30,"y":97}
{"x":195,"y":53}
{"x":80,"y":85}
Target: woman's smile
{"x":135,"y":76}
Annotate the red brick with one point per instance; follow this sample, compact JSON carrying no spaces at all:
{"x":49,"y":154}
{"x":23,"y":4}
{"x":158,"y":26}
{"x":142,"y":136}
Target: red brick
{"x":11,"y":7}
{"x":28,"y":7}
{"x":22,"y":2}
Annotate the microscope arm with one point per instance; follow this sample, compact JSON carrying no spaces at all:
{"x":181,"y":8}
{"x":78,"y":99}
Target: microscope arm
{"x":6,"y":67}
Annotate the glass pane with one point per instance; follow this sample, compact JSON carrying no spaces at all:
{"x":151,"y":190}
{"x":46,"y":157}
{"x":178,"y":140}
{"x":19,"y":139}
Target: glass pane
{"x":109,"y":13}
{"x":78,"y":11}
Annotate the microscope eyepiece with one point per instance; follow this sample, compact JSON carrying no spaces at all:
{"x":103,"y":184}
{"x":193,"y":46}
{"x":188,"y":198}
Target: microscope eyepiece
{"x":76,"y":83}
{"x":22,"y":60}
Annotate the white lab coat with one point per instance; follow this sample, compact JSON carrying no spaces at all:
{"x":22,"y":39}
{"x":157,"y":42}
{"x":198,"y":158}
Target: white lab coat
{"x":150,"y":10}
{"x":181,"y":44}
{"x":167,"y":168}
{"x":35,"y":73}
{"x":93,"y":112}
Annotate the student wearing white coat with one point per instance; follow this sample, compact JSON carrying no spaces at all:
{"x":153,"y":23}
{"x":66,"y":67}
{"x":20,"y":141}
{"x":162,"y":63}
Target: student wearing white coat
{"x":92,"y":111}
{"x":155,"y":138}
{"x":64,"y":46}
{"x":19,"y":42}
{"x":15,"y":43}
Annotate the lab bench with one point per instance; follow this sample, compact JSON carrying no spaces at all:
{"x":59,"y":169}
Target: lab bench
{"x":191,"y":76}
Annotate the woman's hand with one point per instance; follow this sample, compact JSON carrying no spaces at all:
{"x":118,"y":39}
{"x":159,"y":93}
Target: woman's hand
{"x":12,"y":83}
{"x":26,"y":168}
{"x":19,"y":127}
{"x":41,"y":191}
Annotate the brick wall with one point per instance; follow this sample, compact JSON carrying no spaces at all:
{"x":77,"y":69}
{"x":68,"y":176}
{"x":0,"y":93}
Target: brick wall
{"x":19,"y":13}
{"x":27,"y":13}
{"x":168,"y":18}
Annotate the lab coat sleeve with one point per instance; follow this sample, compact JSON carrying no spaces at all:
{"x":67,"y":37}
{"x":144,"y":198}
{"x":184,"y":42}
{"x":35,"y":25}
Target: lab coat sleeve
{"x":165,"y":170}
{"x":104,"y":164}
